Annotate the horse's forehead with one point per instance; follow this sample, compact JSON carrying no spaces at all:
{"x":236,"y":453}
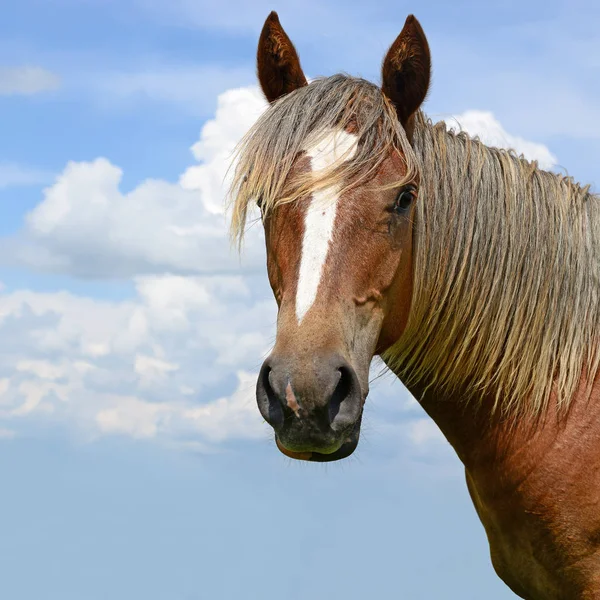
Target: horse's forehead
{"x":320,"y":215}
{"x":333,"y":147}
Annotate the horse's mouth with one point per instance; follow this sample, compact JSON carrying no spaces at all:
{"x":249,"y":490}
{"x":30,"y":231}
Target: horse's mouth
{"x":345,"y":449}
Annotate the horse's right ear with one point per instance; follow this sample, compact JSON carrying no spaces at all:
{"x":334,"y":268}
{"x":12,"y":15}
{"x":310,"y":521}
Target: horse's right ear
{"x":407,"y":71}
{"x":279,"y":70}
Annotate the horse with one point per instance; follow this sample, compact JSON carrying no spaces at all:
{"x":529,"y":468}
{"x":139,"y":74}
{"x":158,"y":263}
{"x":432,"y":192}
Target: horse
{"x":469,"y":270}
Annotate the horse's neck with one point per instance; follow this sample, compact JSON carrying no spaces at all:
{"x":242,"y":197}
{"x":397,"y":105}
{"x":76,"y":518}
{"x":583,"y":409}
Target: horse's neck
{"x":481,"y":436}
{"x":535,"y":485}
{"x":478,"y":435}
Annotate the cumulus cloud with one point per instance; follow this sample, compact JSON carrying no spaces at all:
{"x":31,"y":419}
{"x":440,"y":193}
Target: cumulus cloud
{"x":156,"y":365}
{"x":86,"y":226}
{"x":233,"y":416}
{"x":237,"y":111}
{"x":27,"y":81}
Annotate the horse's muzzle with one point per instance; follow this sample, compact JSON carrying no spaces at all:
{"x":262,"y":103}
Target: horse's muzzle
{"x":315,"y":408}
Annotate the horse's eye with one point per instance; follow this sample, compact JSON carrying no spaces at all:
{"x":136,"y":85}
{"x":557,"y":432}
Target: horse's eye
{"x":404,"y":200}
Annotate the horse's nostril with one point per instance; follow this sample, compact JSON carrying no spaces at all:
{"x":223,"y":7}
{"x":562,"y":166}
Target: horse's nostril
{"x":268,"y":403}
{"x":341,"y":392}
{"x":265,"y":375}
{"x":345,"y":404}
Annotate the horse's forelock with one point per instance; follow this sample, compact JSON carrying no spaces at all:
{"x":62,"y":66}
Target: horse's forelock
{"x":267,"y":153}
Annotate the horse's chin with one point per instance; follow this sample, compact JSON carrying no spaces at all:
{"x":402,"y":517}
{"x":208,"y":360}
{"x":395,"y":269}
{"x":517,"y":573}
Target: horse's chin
{"x":345,"y":449}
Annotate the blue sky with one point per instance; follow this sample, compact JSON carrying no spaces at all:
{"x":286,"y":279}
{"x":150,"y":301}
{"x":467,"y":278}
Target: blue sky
{"x":133,"y":459}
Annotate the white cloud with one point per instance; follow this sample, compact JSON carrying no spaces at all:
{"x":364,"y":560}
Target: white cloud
{"x":42,"y":369}
{"x":152,"y":370}
{"x":484,"y":125}
{"x":133,"y":417}
{"x":237,"y":111}
{"x":14,"y":175}
{"x":235,"y":416}
{"x":154,"y":366}
{"x":27,"y":81}
{"x":87,"y":226}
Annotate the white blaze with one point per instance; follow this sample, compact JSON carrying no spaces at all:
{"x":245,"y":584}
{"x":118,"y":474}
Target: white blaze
{"x":320,"y":217}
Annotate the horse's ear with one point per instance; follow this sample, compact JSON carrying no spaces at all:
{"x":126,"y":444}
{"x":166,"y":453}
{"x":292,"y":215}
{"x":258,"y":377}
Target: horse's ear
{"x":406,"y":71}
{"x":279,"y":70}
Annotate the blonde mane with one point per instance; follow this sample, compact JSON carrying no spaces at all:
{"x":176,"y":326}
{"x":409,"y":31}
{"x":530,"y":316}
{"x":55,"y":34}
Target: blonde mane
{"x":506,"y":257}
{"x":506,"y":266}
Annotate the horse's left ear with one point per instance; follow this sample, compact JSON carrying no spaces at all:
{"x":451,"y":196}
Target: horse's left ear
{"x":278,"y":65}
{"x":406,"y":72}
